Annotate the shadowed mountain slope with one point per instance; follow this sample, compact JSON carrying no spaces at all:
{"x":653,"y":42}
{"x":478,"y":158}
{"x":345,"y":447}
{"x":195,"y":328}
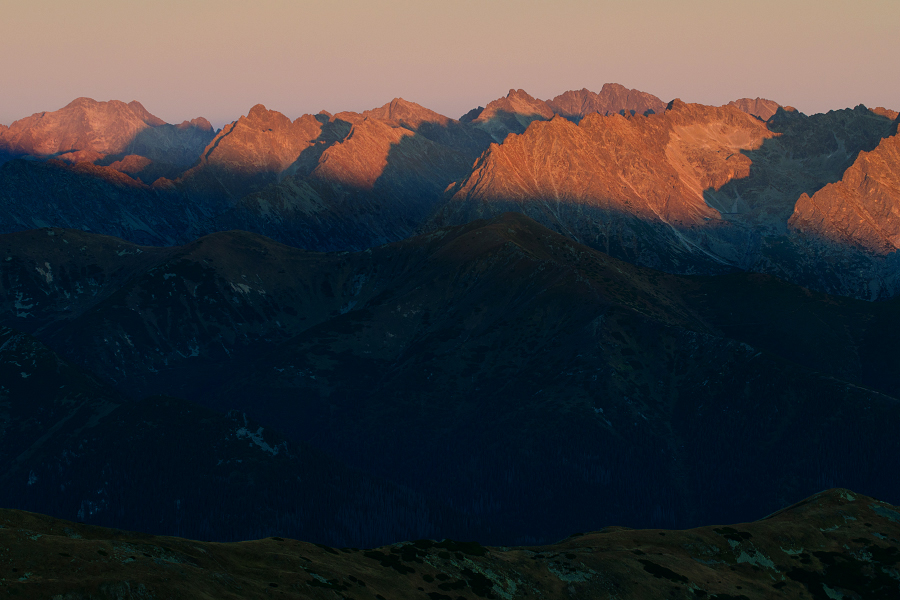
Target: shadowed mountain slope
{"x":511,"y":114}
{"x":836,"y":544}
{"x":94,"y":198}
{"x":450,"y":363}
{"x":251,"y":152}
{"x":318,"y":181}
{"x":367,"y":179}
{"x":73,"y":447}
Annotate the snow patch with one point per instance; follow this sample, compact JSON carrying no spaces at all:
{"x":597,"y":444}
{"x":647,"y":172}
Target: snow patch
{"x":48,"y":274}
{"x":358,"y":282}
{"x":257,"y":439}
{"x":757,"y":558}
{"x":833,"y":594}
{"x":886,"y":512}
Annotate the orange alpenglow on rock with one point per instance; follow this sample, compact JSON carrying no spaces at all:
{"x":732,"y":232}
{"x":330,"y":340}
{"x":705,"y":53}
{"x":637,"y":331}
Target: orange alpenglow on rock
{"x":863,"y":208}
{"x":655,"y":167}
{"x":759,"y":107}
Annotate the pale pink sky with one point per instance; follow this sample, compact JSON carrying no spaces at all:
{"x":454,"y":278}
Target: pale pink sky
{"x":217,"y":58}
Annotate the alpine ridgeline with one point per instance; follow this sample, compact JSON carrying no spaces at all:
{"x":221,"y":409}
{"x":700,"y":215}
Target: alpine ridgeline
{"x":686,"y":188}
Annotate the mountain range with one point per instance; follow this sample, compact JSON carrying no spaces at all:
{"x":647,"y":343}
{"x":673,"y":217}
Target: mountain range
{"x":685,"y":188}
{"x":360,"y":328}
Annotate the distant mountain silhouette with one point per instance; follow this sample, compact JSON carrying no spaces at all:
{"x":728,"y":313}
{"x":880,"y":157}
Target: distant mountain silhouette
{"x":514,"y":112}
{"x":611,"y":99}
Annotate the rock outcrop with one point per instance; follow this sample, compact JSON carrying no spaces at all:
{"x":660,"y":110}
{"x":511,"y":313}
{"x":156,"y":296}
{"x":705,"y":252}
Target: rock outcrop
{"x":862,"y":210}
{"x":614,"y":180}
{"x":511,"y":114}
{"x":514,"y":112}
{"x":758,"y":107}
{"x":612,"y":98}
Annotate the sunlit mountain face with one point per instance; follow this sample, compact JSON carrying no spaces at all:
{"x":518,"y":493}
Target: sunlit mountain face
{"x":545,"y":317}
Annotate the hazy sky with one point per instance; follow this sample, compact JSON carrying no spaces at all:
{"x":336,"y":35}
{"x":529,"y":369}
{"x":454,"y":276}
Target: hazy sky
{"x":217,"y":58}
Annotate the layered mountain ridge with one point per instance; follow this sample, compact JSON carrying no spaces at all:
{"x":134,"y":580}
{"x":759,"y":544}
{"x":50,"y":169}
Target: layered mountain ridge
{"x":682,"y":187}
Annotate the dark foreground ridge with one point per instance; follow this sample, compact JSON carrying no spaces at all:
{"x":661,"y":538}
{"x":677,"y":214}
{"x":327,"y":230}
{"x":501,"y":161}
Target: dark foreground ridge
{"x":836,"y":544}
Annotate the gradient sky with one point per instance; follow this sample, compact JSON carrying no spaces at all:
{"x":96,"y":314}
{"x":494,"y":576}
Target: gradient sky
{"x":217,"y":58}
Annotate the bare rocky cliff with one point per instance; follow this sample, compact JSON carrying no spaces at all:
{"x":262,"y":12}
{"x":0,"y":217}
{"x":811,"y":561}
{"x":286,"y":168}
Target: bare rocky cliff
{"x":612,"y":180}
{"x":862,"y":210}
{"x":702,"y":189}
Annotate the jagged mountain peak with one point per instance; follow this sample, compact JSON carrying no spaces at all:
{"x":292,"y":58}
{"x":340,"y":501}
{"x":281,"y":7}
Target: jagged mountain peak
{"x":408,"y":112}
{"x":518,"y":101}
{"x":676,"y":104}
{"x":758,"y":107}
{"x":612,"y":98}
{"x":199,"y":123}
{"x":84,"y":101}
{"x":519,"y":94}
{"x":259,"y":111}
{"x":893,"y":115}
{"x":142,"y":112}
{"x":471,"y":115}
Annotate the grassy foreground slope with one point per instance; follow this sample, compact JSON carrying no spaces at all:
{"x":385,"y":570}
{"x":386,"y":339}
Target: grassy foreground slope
{"x":836,"y":544}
